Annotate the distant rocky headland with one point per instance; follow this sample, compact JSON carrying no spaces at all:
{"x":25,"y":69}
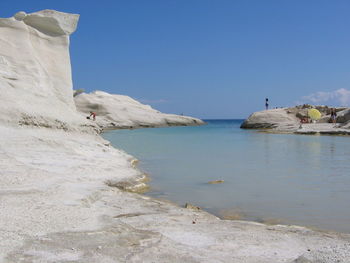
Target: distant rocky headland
{"x":292,"y":120}
{"x":120,"y":111}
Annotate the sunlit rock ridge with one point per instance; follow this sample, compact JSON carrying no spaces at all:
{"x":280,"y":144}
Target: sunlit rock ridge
{"x":120,"y":111}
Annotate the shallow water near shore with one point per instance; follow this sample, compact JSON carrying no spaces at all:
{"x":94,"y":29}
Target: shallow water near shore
{"x":277,"y":178}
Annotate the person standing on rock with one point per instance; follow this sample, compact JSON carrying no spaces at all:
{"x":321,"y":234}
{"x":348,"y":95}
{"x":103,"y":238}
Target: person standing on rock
{"x":93,"y":115}
{"x":267,"y":103}
{"x":333,"y":115}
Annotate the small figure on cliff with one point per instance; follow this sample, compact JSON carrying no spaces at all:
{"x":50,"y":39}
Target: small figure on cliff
{"x":267,"y":103}
{"x":333,"y":115}
{"x":93,"y":115}
{"x":304,"y":120}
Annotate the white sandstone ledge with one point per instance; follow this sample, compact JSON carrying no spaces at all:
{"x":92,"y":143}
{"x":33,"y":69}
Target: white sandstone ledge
{"x":122,"y":112}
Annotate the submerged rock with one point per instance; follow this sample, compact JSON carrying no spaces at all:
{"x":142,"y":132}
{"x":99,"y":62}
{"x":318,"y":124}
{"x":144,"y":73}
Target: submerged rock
{"x":193,"y":207}
{"x":216,"y":182}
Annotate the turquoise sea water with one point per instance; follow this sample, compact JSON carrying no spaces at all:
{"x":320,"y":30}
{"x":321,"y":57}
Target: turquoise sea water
{"x":291,"y":179}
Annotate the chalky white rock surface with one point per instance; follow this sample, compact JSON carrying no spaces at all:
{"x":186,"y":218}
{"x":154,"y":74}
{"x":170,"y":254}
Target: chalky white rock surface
{"x":56,"y":199}
{"x":36,"y":82}
{"x":120,"y":111}
{"x":35,"y":69}
{"x":270,"y":119}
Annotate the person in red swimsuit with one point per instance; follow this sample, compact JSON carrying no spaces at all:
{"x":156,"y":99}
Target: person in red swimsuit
{"x":93,"y":115}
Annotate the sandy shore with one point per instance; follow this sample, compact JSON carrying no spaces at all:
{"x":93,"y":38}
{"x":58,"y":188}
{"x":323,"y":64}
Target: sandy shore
{"x":56,"y":206}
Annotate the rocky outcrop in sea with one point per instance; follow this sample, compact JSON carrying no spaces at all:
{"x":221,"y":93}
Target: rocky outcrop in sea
{"x":292,"y":120}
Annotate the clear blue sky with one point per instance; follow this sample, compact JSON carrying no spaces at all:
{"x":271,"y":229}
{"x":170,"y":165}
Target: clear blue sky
{"x":209,"y":58}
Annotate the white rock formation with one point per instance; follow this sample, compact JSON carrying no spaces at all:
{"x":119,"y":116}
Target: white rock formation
{"x":270,"y":119}
{"x":119,"y":111}
{"x":288,"y":120}
{"x":36,"y":83}
{"x":35,"y":69}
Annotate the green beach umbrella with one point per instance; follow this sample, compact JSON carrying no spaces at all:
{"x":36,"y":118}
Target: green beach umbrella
{"x":314,"y":114}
